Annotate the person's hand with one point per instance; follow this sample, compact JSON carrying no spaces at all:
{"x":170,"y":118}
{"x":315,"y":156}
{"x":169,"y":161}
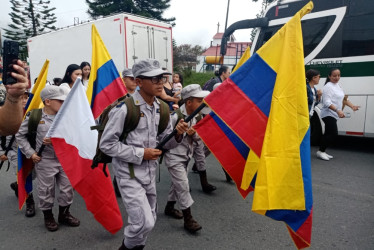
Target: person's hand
{"x":181,"y":127}
{"x":15,"y":91}
{"x":340,"y":114}
{"x":35,"y":158}
{"x":355,"y":108}
{"x":191,"y":131}
{"x":47,"y":141}
{"x":319,"y":93}
{"x":151,"y":154}
{"x":3,"y":158}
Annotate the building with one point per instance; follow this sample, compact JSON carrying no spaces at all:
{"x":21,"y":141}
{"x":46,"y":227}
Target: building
{"x":209,"y":60}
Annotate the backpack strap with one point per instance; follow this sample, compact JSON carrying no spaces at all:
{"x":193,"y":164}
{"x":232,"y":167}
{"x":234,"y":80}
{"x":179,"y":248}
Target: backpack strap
{"x":34,"y":119}
{"x":3,"y":142}
{"x":164,"y":117}
{"x":131,"y":122}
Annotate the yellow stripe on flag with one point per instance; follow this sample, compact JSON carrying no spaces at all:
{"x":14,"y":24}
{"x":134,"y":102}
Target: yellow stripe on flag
{"x":100,"y":56}
{"x":279,"y":181}
{"x":36,"y":101}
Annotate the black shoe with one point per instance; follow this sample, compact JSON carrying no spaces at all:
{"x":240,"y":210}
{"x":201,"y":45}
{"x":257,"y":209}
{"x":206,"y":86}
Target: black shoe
{"x":171,"y":211}
{"x":30,"y":206}
{"x":49,"y":221}
{"x":14,"y":187}
{"x":65,"y":217}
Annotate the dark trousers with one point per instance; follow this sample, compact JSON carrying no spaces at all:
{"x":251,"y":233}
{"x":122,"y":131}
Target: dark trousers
{"x":331,"y":131}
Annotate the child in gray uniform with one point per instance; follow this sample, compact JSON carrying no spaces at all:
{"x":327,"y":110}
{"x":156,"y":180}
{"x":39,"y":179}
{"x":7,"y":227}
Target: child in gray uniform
{"x":177,"y":159}
{"x":135,"y":159}
{"x":47,"y":167}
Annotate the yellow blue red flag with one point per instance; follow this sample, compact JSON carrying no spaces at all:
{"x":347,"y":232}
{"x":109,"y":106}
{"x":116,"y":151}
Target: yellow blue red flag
{"x":266,"y":107}
{"x":105,"y":84}
{"x":24,"y":177}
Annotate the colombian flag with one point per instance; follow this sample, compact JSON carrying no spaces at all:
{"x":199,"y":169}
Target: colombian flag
{"x":105,"y":84}
{"x":267,"y":109}
{"x":25,"y":166}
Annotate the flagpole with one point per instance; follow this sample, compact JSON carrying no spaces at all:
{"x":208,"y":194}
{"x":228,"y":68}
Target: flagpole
{"x":189,"y":118}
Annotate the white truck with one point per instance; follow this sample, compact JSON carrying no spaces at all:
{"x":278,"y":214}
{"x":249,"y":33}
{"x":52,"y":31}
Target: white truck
{"x":128,"y":38}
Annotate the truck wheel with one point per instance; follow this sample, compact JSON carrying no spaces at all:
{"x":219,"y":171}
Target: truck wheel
{"x":315,"y":130}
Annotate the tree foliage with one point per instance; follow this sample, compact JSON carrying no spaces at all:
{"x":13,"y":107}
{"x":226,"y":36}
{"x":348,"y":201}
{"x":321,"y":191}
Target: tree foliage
{"x":29,"y":18}
{"x":146,"y":8}
{"x":185,"y":56}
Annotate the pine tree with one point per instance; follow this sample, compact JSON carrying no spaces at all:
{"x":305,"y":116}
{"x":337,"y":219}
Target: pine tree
{"x":147,"y":8}
{"x":29,"y":18}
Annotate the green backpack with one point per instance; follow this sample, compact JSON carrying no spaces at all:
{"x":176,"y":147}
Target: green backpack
{"x":131,"y":122}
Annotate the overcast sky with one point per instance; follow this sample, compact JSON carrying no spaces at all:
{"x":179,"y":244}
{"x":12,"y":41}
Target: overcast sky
{"x":196,"y":20}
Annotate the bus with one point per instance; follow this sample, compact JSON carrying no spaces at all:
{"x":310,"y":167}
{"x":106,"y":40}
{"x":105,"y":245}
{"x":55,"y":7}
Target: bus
{"x":336,"y":34}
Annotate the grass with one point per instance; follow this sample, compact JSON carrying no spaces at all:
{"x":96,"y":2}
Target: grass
{"x":198,"y":78}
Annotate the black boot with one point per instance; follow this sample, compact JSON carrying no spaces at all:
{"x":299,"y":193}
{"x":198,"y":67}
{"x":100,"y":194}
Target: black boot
{"x":64,"y":217}
{"x":171,"y":211}
{"x":116,"y":189}
{"x":228,"y":178}
{"x":123,"y":247}
{"x":49,"y":220}
{"x":207,"y":188}
{"x":189,"y":223}
{"x":194,"y":168}
{"x":14,"y":187}
{"x":30,"y":206}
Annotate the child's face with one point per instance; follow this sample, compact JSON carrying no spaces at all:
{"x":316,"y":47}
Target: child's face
{"x":53,"y":105}
{"x":24,"y":99}
{"x":195,"y":103}
{"x":176,"y":78}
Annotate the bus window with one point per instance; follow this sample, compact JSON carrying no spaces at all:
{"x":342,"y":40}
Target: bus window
{"x":314,"y":30}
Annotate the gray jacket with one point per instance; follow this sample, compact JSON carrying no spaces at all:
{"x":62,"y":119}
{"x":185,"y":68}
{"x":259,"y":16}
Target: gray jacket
{"x":43,"y":127}
{"x":143,"y":136}
{"x":190,"y":145}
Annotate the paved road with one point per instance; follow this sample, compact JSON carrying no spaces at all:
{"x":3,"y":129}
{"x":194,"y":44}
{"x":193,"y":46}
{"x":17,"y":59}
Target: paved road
{"x":343,"y":212}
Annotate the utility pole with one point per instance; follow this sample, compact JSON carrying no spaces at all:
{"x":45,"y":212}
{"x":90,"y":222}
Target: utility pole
{"x":227,"y":14}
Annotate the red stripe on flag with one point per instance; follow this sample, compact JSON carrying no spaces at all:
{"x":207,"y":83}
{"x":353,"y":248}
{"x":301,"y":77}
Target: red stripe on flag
{"x":303,"y":237}
{"x":223,"y":149}
{"x":108,"y":95}
{"x":240,"y":114}
{"x":95,"y":188}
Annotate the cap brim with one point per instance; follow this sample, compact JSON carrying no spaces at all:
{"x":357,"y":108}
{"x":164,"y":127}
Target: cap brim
{"x":201,"y":94}
{"x":129,"y":75}
{"x":155,"y":72}
{"x":61,"y":98}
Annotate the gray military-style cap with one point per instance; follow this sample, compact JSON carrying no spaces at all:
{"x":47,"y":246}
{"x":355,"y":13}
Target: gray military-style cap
{"x":148,"y":68}
{"x":194,"y":90}
{"x":127,"y":73}
{"x":53,"y":92}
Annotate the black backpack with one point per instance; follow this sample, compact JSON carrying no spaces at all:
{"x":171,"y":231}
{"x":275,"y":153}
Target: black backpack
{"x":131,"y":122}
{"x":210,"y":83}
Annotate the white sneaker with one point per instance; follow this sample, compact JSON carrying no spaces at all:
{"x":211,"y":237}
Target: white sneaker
{"x":330,"y":156}
{"x":322,"y":155}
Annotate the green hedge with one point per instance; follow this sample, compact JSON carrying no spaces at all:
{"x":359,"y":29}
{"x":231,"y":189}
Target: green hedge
{"x":193,"y":77}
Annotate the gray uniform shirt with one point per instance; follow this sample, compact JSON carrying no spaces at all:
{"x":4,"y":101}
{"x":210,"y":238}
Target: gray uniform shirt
{"x":185,"y":150}
{"x":43,"y":127}
{"x":143,"y":136}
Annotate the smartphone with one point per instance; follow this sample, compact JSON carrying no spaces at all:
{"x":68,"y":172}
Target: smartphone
{"x":10,"y":57}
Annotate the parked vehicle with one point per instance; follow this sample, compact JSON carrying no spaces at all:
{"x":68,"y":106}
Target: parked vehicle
{"x":336,"y":34}
{"x":128,"y":38}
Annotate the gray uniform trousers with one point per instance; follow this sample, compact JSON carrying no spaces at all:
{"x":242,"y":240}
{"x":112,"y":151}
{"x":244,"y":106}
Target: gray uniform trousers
{"x":49,"y":169}
{"x":140,"y":201}
{"x":139,"y":193}
{"x":180,"y":188}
